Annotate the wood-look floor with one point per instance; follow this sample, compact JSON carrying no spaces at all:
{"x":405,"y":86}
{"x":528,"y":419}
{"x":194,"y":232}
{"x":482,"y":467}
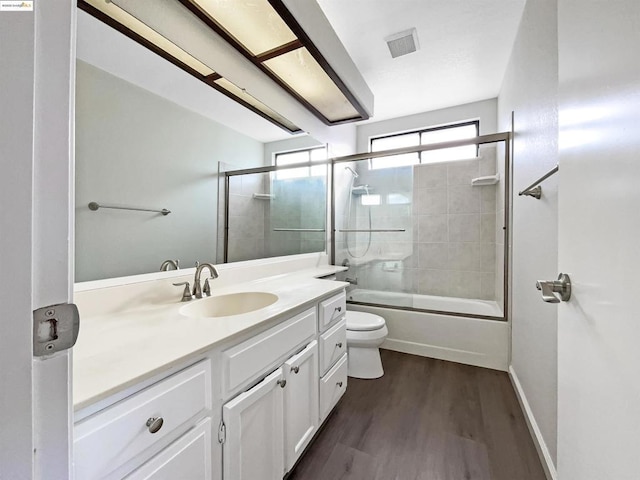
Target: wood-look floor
{"x":425,"y":419}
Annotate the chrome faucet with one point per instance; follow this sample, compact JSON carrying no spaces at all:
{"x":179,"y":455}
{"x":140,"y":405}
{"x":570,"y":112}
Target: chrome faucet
{"x":170,"y":263}
{"x":198,"y":290}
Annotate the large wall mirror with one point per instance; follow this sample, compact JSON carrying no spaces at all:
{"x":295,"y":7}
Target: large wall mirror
{"x":137,"y":148}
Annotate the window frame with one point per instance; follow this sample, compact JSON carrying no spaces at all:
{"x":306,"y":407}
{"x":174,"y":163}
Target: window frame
{"x":309,"y":163}
{"x":421,"y":131}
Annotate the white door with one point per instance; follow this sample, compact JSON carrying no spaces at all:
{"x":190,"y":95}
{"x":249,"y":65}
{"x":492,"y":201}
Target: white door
{"x":301,"y":414}
{"x":37,"y":59}
{"x":254,"y":445}
{"x":599,"y":240}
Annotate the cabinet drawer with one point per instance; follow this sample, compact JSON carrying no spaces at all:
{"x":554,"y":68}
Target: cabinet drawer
{"x":332,"y":387}
{"x":187,"y":457}
{"x":110,"y":438}
{"x":248,"y":360}
{"x":332,"y":309}
{"x":333,"y":344}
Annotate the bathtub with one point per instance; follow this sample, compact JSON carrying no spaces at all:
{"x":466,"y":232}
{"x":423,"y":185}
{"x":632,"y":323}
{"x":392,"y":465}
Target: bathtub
{"x":465,"y":306}
{"x":456,"y":329}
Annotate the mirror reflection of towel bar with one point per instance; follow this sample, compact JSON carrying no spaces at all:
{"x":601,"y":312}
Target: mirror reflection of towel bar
{"x":298,"y":229}
{"x":95,"y":206}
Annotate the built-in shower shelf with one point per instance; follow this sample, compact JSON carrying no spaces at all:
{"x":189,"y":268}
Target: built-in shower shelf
{"x":486,"y":180}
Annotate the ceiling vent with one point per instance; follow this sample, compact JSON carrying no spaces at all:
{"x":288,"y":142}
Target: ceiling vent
{"x":403,"y":43}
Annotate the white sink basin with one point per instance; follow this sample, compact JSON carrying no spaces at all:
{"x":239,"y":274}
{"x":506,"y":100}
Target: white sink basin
{"x":228,"y":305}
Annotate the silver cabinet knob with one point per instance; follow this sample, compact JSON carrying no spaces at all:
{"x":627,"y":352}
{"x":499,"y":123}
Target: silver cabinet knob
{"x":339,"y":384}
{"x":551,"y":287}
{"x":295,"y":369}
{"x":155,"y":424}
{"x":282,"y":383}
{"x":338,"y":309}
{"x":339,"y":344}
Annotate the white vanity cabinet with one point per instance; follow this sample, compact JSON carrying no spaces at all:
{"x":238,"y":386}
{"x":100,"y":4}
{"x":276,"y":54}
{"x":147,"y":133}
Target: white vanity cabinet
{"x":265,"y":429}
{"x":118,"y":439}
{"x":300,"y":402}
{"x":332,"y":325}
{"x":245,"y":409}
{"x":253,"y":432}
{"x":188,"y":457}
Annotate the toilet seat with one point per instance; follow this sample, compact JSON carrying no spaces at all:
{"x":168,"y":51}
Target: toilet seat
{"x":364,"y":322}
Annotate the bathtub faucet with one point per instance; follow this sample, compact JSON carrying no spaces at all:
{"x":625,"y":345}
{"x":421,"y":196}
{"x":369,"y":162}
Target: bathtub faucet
{"x":352,"y":281}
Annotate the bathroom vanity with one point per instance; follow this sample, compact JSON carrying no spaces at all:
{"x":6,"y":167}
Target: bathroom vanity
{"x":162,"y":392}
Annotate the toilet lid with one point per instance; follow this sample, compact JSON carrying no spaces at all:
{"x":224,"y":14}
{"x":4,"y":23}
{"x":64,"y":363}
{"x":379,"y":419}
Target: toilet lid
{"x":362,"y":321}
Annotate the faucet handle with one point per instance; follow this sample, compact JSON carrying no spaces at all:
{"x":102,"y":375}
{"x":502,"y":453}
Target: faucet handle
{"x":206,"y":290}
{"x":186,"y":293}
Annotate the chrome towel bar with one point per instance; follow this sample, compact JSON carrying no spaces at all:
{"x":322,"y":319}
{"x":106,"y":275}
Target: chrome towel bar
{"x":298,"y":229}
{"x":95,"y":206}
{"x":375,"y":230}
{"x":534,"y":190}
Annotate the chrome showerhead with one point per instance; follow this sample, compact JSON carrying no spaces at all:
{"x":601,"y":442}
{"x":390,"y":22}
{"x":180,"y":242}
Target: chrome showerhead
{"x":353,"y":172}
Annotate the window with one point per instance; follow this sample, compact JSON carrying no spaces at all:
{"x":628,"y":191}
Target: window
{"x":424,"y":137}
{"x":310,"y":156}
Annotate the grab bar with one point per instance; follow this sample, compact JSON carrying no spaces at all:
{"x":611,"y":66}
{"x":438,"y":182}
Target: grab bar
{"x":375,"y":230}
{"x":299,"y":230}
{"x":95,"y":206}
{"x":534,"y":190}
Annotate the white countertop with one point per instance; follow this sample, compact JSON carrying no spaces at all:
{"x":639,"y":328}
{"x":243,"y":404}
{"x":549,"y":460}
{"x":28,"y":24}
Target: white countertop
{"x":119,"y":349}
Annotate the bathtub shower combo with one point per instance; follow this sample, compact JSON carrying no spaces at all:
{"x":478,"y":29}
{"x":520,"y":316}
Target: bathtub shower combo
{"x":424,"y":234}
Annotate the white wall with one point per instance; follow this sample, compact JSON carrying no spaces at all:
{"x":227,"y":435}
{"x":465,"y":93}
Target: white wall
{"x":530,"y":89}
{"x":484,"y":110}
{"x":136,"y":148}
{"x":17,"y":37}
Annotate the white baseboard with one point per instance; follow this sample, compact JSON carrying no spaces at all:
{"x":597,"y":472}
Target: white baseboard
{"x":442,"y":353}
{"x":538,"y":440}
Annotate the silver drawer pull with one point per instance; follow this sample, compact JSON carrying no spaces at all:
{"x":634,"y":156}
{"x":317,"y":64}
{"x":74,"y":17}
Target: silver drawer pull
{"x":338,"y":309}
{"x":295,"y":369}
{"x":155,"y":424}
{"x":339,"y":384}
{"x":282,"y":383}
{"x":339,"y":344}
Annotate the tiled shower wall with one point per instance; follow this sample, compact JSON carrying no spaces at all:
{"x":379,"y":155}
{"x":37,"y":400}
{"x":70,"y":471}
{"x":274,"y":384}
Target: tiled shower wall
{"x":452,"y":243}
{"x":455,"y":229}
{"x":297,"y":203}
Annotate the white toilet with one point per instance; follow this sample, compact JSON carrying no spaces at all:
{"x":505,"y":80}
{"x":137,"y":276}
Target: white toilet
{"x":365,"y":333}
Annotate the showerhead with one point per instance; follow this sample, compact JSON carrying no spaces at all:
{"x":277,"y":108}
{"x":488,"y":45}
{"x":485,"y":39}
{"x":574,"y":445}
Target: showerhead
{"x":353,"y":172}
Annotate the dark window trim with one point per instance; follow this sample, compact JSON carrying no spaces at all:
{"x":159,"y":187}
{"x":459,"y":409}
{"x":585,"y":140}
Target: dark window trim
{"x":430,"y":129}
{"x":302,"y":164}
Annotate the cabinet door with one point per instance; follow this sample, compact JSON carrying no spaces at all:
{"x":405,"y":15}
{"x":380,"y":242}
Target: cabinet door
{"x":188,"y":457}
{"x":300,"y":402}
{"x":253,"y":448}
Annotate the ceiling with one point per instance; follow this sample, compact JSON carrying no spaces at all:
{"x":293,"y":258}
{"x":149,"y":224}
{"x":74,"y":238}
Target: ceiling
{"x":464,"y":49}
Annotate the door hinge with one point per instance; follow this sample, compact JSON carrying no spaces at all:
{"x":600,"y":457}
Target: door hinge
{"x":222,"y":432}
{"x":55,"y":328}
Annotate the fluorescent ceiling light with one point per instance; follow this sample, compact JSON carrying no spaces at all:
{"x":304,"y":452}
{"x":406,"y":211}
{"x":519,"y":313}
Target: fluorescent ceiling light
{"x":266,"y":33}
{"x":262,"y":31}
